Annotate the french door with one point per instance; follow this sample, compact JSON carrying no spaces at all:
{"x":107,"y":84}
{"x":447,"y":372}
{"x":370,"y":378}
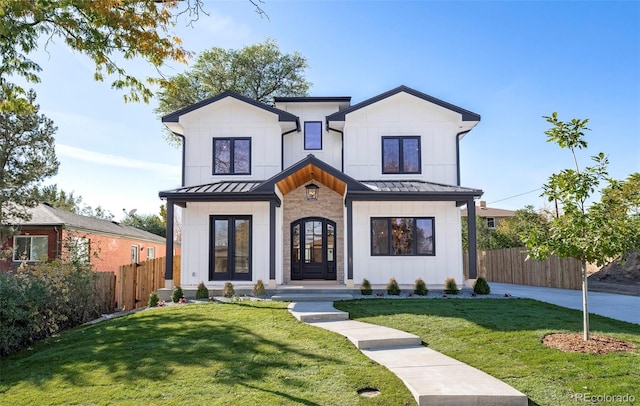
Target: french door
{"x":230,"y":256}
{"x":313,"y":249}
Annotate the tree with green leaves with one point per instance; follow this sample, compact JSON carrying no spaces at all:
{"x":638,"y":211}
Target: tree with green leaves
{"x":27,"y":157}
{"x":590,"y":233}
{"x":60,"y":199}
{"x":153,"y":223}
{"x":508,"y":232}
{"x":107,"y":31}
{"x":259,"y":71}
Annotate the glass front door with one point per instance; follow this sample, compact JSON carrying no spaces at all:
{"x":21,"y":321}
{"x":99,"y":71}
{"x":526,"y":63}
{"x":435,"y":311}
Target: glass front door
{"x":313,"y":253}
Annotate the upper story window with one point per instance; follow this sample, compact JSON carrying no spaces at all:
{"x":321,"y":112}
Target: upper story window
{"x":401,"y":154}
{"x":313,"y":135}
{"x":491,"y":222}
{"x":30,"y":248}
{"x":232,"y":156}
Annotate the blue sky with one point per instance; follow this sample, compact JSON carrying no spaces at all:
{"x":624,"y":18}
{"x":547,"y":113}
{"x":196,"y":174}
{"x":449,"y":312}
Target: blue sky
{"x":509,"y":61}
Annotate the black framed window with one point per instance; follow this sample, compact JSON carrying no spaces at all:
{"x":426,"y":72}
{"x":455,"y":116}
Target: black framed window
{"x":403,"y":236}
{"x":30,"y":248}
{"x":401,"y":154}
{"x":232,"y":156}
{"x":313,"y":135}
{"x":230,"y":248}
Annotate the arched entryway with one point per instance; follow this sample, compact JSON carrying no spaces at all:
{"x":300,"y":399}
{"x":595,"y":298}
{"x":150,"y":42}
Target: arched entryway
{"x":313,"y":249}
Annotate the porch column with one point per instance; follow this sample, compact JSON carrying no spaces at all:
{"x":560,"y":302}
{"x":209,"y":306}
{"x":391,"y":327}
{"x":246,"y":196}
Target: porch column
{"x":272,"y":241}
{"x":349,"y":204}
{"x":168,"y":271}
{"x":471,"y":240}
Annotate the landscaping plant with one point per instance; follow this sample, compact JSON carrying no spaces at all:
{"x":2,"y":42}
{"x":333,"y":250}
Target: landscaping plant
{"x":153,"y":299}
{"x":258,"y":289}
{"x":177,"y":294}
{"x":228,"y":290}
{"x":202,"y":292}
{"x":420,"y":288}
{"x":450,"y":286}
{"x":365,"y":288}
{"x":481,"y":287}
{"x":392,"y":287}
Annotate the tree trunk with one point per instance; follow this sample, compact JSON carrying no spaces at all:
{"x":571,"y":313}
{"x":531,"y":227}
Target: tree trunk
{"x":585,"y":301}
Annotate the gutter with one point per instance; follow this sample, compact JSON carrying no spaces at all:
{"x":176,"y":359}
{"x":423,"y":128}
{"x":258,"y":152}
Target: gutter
{"x":458,"y":138}
{"x":341,"y":144}
{"x":184,"y":140}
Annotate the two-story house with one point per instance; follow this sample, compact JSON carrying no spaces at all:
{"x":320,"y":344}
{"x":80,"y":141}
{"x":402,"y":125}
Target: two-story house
{"x":314,"y":188}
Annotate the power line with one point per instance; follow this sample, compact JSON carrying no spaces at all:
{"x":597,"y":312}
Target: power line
{"x":518,"y":195}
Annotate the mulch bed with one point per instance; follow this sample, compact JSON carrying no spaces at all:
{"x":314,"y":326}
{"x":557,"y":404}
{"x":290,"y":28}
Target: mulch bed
{"x":573,"y":342}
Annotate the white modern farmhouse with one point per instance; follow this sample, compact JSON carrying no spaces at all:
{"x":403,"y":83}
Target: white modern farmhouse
{"x":314,"y":188}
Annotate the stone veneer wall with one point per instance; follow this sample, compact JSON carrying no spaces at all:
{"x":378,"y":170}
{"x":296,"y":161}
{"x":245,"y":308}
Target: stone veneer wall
{"x":329,"y":205}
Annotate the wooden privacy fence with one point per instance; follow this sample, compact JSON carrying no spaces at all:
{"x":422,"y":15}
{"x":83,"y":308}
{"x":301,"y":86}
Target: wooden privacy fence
{"x":137,"y":281}
{"x":509,"y":265}
{"x":104,"y":288}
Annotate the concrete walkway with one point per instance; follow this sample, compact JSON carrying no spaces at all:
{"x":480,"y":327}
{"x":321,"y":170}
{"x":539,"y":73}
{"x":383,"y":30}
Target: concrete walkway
{"x":432,"y":378}
{"x":619,"y":307}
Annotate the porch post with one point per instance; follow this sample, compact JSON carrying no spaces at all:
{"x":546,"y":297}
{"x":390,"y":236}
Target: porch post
{"x":272,"y":241}
{"x":168,"y":271}
{"x":471,"y":240}
{"x":349,"y":203}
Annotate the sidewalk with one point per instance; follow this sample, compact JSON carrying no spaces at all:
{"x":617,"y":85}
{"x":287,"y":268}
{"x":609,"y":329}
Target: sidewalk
{"x":619,"y":307}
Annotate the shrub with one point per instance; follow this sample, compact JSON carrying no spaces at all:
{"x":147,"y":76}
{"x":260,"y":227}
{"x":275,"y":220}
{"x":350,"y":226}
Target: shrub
{"x":420,"y":288}
{"x":450,"y":286}
{"x":203,"y":292}
{"x":481,"y":287}
{"x":177,"y":294}
{"x":228,"y":290}
{"x":392,"y":287}
{"x":365,"y":288}
{"x":153,"y":300}
{"x":258,"y":289}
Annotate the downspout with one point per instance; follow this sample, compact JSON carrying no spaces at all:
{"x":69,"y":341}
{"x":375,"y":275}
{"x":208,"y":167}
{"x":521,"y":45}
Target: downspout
{"x":458,"y":138}
{"x":282,"y":142}
{"x":183,"y":153}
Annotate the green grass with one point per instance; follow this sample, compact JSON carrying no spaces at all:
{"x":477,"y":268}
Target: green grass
{"x":241,"y":353}
{"x":503,"y":338}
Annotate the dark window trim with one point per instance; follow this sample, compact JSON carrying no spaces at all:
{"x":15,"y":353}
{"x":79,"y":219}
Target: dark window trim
{"x":231,"y":248}
{"x":390,"y":243}
{"x":232,"y":170}
{"x":30,"y":237}
{"x":305,"y":135}
{"x":401,"y":153}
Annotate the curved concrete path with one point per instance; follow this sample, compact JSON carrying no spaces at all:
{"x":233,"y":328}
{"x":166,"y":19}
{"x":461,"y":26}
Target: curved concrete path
{"x":432,"y":378}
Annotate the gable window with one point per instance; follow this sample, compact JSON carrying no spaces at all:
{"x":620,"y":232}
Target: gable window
{"x":30,"y":248}
{"x":313,"y":135}
{"x":402,"y":236}
{"x":232,"y":156}
{"x":230,"y":255}
{"x":401,"y":154}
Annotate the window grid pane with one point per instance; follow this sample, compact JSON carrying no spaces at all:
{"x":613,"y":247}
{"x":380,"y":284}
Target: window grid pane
{"x":379,"y":237}
{"x":390,"y":155}
{"x":241,"y":156}
{"x":410,"y":155}
{"x":221,"y":156}
{"x":221,"y":245}
{"x":424,"y":230}
{"x":242,"y":246}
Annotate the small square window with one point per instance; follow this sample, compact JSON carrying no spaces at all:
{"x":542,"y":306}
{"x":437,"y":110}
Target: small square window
{"x":231,"y":156}
{"x":313,"y":135}
{"x":401,"y":154}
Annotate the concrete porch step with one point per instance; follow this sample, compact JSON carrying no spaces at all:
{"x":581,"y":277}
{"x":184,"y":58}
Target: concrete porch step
{"x":311,"y":297}
{"x":367,"y":336}
{"x":309,"y":312}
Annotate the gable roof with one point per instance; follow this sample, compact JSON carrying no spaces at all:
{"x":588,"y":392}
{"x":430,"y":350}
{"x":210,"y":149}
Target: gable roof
{"x":282,"y":115}
{"x":466,"y":114}
{"x":45,"y":215}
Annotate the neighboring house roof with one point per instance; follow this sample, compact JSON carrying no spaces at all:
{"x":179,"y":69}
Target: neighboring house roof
{"x":490,"y":212}
{"x":466,"y":114}
{"x":45,"y":215}
{"x":282,"y":115}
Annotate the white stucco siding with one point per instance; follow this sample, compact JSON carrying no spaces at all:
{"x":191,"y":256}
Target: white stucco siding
{"x":402,"y":115}
{"x":230,"y":118}
{"x":196,"y":240}
{"x":406,"y":269}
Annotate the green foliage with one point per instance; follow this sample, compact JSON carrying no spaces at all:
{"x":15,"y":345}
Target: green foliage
{"x":228,"y":290}
{"x":177,"y":294}
{"x":258,"y":289}
{"x":392,"y":287}
{"x":450,"y":286}
{"x":202,"y":292}
{"x":27,"y":157}
{"x":151,"y":223}
{"x":153,"y":299}
{"x":481,"y":287}
{"x":67,"y":201}
{"x":365,"y":288}
{"x":420,"y":288}
{"x":259,"y":71}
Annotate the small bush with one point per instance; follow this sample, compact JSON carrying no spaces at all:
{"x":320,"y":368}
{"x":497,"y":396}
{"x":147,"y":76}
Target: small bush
{"x":365,"y":288}
{"x":420,"y":288}
{"x":258,"y":289}
{"x":450,"y":286}
{"x":481,"y":287}
{"x":392,"y":287}
{"x":153,"y":299}
{"x":177,"y":294}
{"x":228,"y":290}
{"x":203,"y":292}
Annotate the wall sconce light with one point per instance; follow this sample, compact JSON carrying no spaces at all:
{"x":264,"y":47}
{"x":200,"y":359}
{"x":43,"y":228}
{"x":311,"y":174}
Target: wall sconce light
{"x":312,"y":191}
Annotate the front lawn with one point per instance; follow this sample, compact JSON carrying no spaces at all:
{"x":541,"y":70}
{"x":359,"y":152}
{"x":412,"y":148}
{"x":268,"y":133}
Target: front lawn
{"x":503,"y":338}
{"x":240,"y":353}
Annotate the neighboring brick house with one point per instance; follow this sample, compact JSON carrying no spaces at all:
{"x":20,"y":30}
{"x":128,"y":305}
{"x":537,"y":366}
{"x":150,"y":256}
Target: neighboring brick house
{"x":106,"y":244}
{"x":490,"y":216}
{"x":317,"y":189}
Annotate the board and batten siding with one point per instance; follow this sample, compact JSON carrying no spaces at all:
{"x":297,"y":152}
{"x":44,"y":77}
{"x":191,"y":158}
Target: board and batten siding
{"x":402,"y":115}
{"x":196,"y":239}
{"x":230,"y":118}
{"x":406,"y":269}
